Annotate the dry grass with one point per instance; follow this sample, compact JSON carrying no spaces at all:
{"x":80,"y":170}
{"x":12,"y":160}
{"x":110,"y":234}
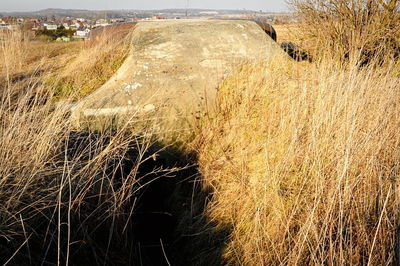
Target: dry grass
{"x":27,"y":64}
{"x":65,"y":195}
{"x":302,"y":159}
{"x":350,"y":30}
{"x":304,"y":164}
{"x":99,"y":59}
{"x":287,"y":33}
{"x":71,"y":70}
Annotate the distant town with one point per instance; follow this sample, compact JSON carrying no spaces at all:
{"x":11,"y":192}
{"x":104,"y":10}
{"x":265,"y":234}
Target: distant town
{"x":72,"y":25}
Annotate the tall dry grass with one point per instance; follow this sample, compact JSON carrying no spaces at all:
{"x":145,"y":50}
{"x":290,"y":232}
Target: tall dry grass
{"x":66,"y":197}
{"x":302,"y":159}
{"x":304,"y":164}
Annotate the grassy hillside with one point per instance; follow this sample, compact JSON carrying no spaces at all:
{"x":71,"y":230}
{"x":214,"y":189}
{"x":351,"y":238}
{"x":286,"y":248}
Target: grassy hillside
{"x":298,"y":166}
{"x":65,"y":69}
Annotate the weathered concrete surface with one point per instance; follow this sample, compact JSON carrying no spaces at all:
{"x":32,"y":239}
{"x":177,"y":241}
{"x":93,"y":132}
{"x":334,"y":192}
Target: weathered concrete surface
{"x":173,"y":71}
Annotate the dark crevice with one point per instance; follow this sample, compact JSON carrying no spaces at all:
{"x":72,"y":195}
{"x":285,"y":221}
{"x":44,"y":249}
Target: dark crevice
{"x":296,"y":52}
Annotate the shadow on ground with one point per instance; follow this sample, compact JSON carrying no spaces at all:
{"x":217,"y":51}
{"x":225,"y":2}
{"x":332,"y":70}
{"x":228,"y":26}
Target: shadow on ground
{"x":162,"y":223}
{"x":170,"y":225}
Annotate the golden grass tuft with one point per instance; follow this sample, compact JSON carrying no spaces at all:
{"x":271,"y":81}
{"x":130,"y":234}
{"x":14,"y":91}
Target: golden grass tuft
{"x":304,"y":164}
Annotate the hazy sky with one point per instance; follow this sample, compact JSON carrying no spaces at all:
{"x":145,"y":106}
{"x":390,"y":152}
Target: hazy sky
{"x":33,"y":5}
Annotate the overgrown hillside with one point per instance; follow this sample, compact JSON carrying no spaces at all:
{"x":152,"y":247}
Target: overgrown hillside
{"x":303,"y":162}
{"x":81,"y":197}
{"x":298,"y":166}
{"x":303,"y":158}
{"x":65,"y":195}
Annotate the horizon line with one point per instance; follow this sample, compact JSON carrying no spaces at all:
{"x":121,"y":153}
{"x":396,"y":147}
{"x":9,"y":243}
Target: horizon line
{"x":160,"y":9}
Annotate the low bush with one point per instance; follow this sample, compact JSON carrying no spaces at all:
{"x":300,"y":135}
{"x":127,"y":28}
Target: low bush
{"x":54,"y":34}
{"x":351,"y":29}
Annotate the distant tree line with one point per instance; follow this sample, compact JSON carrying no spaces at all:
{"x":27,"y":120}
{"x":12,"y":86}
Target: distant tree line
{"x":54,"y":34}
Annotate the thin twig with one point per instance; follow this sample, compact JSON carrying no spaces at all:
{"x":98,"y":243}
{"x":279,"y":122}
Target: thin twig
{"x":165,"y":255}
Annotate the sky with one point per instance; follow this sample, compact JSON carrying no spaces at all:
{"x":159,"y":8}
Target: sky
{"x":34,"y":5}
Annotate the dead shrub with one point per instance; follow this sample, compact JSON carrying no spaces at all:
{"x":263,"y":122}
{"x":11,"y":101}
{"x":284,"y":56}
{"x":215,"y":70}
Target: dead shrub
{"x":359,"y":30}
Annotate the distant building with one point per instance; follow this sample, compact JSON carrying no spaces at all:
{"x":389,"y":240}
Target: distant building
{"x":50,"y":26}
{"x":209,"y":12}
{"x":101,"y":21}
{"x":82,"y":32}
{"x":74,"y":26}
{"x":136,"y":19}
{"x":158,"y":17}
{"x":118,"y":20}
{"x":5,"y":26}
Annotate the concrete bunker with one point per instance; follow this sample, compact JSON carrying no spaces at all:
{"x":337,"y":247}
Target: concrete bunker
{"x":267,"y":28}
{"x":173,"y":71}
